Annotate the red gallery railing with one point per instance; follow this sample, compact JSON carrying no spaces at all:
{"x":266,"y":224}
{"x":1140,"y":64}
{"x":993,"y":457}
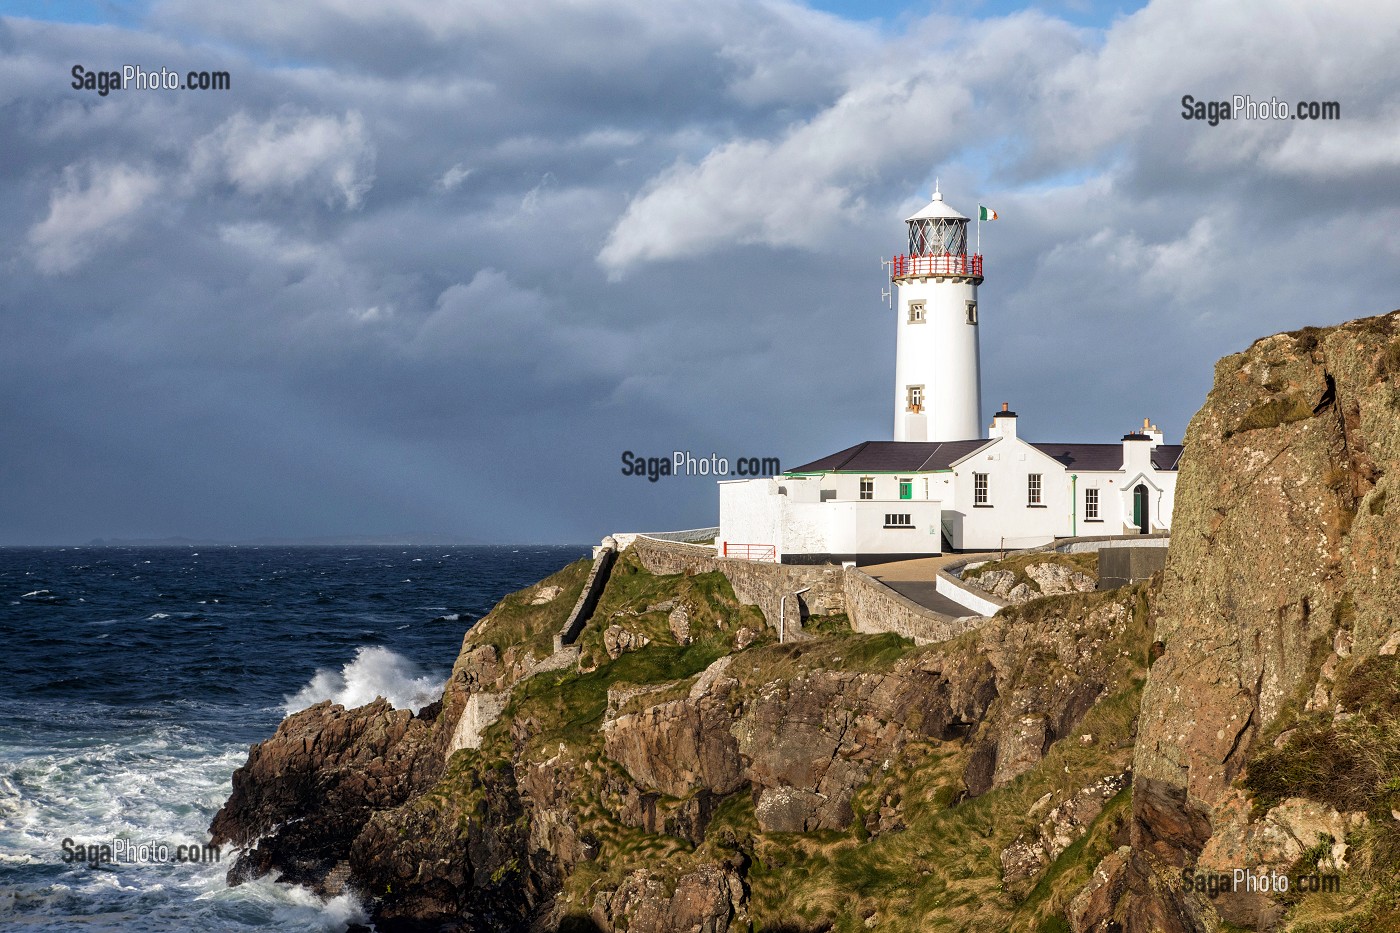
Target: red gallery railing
{"x":947,"y":264}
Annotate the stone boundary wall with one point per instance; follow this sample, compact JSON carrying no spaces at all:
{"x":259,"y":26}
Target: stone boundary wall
{"x":874,"y":608}
{"x":755,"y":583}
{"x":588,"y":599}
{"x":871,"y":606}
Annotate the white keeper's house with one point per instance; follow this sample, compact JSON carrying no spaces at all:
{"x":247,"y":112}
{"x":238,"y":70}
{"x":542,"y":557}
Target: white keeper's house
{"x":940,"y":484}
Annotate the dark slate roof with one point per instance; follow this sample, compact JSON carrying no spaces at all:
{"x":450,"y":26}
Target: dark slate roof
{"x":1167,"y":456}
{"x":1106,"y":457}
{"x":921,"y":457}
{"x":1103,"y":457}
{"x":893,"y":457}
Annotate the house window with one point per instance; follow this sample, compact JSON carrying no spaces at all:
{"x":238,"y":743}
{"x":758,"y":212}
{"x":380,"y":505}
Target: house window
{"x":915,"y":397}
{"x":1033,"y":489}
{"x":906,"y":489}
{"x":1091,"y":504}
{"x":899,"y":520}
{"x":867,"y":487}
{"x":979,"y":489}
{"x":972,"y":312}
{"x":916,"y":312}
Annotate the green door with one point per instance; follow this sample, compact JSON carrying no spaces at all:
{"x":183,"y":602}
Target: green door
{"x":1140,"y":508}
{"x":906,"y":489}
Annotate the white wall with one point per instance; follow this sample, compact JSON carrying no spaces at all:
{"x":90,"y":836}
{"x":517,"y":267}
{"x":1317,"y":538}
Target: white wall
{"x":1010,"y":521}
{"x":755,"y":512}
{"x":941,"y":354}
{"x":859,"y":527}
{"x":750,"y":512}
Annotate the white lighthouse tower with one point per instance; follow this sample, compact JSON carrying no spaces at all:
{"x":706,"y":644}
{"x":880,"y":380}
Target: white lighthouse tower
{"x":937,"y":373}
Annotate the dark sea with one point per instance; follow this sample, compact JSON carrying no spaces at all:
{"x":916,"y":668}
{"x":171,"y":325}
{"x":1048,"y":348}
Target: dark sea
{"x":134,"y":680}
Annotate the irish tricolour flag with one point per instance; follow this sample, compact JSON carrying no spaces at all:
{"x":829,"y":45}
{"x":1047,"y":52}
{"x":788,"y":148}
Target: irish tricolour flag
{"x":985,"y":213}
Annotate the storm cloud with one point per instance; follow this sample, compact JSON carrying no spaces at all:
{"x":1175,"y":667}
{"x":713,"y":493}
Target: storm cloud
{"x":432,"y":268}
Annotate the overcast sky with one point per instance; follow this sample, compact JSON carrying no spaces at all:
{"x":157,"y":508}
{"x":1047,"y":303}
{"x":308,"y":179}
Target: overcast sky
{"x":432,"y":267}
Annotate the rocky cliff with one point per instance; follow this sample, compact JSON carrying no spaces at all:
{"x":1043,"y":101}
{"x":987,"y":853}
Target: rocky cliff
{"x":1264,"y":730}
{"x":686,"y":772}
{"x":1079,"y":762}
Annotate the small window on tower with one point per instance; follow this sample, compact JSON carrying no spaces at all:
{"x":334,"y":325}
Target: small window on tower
{"x":916,"y":312}
{"x":916,"y":399}
{"x":972,"y":312}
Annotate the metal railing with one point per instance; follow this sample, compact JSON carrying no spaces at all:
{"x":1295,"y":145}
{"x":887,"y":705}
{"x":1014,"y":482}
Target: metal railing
{"x":947,"y":264}
{"x":766,"y":552}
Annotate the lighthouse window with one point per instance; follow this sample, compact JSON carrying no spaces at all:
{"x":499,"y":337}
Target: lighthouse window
{"x":1091,"y":504}
{"x":972,"y":312}
{"x":916,"y":399}
{"x":867,"y":487}
{"x":1033,"y":489}
{"x":916,"y":312}
{"x":979,"y":489}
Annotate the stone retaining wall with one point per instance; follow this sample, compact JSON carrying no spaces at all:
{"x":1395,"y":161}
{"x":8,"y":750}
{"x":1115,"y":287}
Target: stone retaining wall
{"x":871,"y":606}
{"x":874,"y":608}
{"x":588,"y":599}
{"x":755,"y":583}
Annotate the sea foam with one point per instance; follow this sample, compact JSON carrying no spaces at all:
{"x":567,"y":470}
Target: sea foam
{"x":374,"y":672}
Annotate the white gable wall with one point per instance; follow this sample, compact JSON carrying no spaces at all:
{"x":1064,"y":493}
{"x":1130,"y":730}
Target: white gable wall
{"x":1009,"y":519}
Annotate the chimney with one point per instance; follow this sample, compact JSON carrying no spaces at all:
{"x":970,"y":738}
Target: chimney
{"x":1004,"y":422}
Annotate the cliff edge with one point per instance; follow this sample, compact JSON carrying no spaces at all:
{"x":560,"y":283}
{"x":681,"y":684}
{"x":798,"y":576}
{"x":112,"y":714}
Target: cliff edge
{"x":1268,"y":733}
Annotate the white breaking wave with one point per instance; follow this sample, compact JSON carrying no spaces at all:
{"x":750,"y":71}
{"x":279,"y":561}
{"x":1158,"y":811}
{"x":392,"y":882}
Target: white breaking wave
{"x":375,"y":672}
{"x":156,"y":786}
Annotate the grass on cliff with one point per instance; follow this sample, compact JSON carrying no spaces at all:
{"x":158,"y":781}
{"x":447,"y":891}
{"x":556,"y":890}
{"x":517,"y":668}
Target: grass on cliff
{"x":557,"y":715}
{"x":942,"y":871}
{"x":642,"y":603}
{"x":1351,"y":762}
{"x":516,"y":620}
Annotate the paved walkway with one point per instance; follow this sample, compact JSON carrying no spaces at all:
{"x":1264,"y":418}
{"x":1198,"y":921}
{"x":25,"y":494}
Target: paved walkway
{"x":914,"y":579}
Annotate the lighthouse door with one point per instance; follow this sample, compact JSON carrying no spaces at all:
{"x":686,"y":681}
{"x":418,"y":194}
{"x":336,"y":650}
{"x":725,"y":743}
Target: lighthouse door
{"x":1140,"y":508}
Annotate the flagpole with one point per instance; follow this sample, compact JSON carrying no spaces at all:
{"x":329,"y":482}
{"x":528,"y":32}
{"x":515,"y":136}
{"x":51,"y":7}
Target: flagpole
{"x":979,"y":230}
